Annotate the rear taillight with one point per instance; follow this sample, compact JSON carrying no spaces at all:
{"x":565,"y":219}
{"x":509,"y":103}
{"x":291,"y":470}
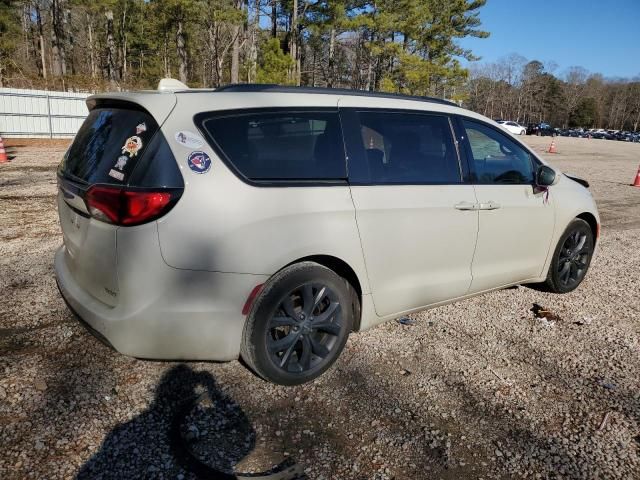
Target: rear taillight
{"x":128,"y":207}
{"x":141,"y":207}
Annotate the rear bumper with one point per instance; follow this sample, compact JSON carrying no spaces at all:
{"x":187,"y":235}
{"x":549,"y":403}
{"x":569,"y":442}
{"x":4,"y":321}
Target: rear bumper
{"x":89,"y":328}
{"x":173,"y":314}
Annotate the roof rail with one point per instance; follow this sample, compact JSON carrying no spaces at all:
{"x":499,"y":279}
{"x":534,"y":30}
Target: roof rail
{"x":266,"y":87}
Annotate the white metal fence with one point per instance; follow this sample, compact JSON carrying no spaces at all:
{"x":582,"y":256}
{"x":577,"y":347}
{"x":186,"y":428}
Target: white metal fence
{"x":41,"y":113}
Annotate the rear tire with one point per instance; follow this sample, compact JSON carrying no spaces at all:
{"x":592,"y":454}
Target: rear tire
{"x":571,"y":258}
{"x":299,"y":324}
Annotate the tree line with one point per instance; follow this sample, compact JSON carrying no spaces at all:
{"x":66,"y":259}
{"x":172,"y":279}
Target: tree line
{"x":404,"y":45}
{"x":528,"y":91}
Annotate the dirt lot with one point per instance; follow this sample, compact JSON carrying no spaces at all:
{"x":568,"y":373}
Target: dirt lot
{"x":480,"y":389}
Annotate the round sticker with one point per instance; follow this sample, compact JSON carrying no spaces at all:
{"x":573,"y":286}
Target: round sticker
{"x":189,"y":139}
{"x":199,"y":162}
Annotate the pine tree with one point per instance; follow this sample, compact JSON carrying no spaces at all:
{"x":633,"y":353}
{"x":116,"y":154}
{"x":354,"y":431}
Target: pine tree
{"x":9,"y":35}
{"x":273,"y":64}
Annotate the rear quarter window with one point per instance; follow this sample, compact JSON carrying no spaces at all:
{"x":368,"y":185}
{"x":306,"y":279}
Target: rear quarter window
{"x":283,"y":145}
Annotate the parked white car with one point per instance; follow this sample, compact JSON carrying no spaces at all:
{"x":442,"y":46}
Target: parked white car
{"x":513,"y":127}
{"x":271,"y":222}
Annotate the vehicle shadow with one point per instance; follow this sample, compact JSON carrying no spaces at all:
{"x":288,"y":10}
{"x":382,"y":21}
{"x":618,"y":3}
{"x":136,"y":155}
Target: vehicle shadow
{"x":170,"y":438}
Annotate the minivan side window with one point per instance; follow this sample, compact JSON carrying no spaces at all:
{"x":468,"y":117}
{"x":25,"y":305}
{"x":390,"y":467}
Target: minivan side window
{"x":496,"y":158}
{"x":279,"y":145}
{"x":407,"y":148}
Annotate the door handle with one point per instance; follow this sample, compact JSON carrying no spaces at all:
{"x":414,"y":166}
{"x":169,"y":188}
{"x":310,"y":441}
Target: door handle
{"x":466,"y":206}
{"x":490,"y":205}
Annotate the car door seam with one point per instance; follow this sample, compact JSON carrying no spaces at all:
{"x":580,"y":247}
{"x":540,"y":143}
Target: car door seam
{"x":355,"y":210}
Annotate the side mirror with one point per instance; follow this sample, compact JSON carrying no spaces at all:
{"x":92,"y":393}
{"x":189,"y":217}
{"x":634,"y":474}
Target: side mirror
{"x":545,"y":176}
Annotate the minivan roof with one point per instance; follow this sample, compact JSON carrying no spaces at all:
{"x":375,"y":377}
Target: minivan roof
{"x":242,"y":96}
{"x":274,"y":88}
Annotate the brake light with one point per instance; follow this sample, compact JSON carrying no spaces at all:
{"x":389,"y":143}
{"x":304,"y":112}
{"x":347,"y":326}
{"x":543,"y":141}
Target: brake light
{"x":121,"y":206}
{"x":103,"y":203}
{"x":143,"y":206}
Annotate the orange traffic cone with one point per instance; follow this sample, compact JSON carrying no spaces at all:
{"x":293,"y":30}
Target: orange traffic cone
{"x":3,"y":153}
{"x":552,"y":147}
{"x":636,"y":182}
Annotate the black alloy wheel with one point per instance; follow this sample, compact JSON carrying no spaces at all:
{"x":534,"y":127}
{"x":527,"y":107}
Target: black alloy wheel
{"x":299,"y":324}
{"x":305,"y":327}
{"x":572,"y":257}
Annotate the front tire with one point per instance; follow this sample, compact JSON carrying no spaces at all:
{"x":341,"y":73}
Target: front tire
{"x":571,"y":258}
{"x":299,"y":324}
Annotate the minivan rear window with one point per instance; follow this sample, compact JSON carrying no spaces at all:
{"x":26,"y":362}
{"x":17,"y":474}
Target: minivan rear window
{"x":279,"y":145}
{"x":121,"y":146}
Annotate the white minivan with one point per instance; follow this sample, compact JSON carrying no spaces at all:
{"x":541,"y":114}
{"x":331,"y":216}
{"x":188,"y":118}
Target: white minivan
{"x":270,"y":222}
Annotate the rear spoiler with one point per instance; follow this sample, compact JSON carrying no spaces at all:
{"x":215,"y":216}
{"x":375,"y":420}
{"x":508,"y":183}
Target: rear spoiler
{"x":171,"y":85}
{"x":158,"y":104}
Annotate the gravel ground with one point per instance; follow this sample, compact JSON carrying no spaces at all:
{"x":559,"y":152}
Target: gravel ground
{"x":479,"y":389}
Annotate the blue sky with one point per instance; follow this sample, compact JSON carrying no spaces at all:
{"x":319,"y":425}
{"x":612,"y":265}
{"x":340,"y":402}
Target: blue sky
{"x":603,"y":37}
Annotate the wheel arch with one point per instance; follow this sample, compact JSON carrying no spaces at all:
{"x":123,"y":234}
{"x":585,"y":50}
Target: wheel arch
{"x":593,"y":223}
{"x":343,"y":269}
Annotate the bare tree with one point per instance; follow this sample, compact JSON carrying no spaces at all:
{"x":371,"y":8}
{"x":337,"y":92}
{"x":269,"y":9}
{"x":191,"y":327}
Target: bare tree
{"x":59,"y":66}
{"x":181,"y":52}
{"x":294,"y":72}
{"x":252,"y":55}
{"x":574,"y":89}
{"x":41,"y":47}
{"x":111,"y":49}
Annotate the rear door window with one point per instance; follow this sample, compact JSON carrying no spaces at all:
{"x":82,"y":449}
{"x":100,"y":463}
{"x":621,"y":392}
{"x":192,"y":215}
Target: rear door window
{"x":288,"y":146}
{"x":407,"y":148}
{"x":121,"y":146}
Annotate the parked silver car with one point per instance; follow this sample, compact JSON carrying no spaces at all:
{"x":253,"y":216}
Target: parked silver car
{"x":271,"y":222}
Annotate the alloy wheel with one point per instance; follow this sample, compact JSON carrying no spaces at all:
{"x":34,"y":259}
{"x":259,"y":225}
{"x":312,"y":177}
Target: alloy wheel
{"x":573,"y":259}
{"x":305,"y":328}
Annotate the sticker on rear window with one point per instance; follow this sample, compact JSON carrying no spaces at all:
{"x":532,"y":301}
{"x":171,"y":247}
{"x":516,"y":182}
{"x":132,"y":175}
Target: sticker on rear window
{"x":132,"y":146}
{"x":199,"y":162}
{"x":116,"y":174}
{"x":189,"y":139}
{"x":140,"y":128}
{"x":121,"y":163}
